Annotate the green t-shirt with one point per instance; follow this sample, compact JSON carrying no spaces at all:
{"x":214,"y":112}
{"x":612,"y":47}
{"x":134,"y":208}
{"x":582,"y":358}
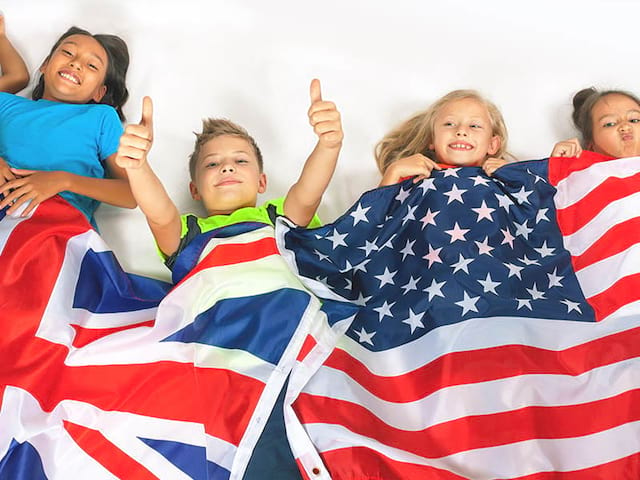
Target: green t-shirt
{"x":192,"y":225}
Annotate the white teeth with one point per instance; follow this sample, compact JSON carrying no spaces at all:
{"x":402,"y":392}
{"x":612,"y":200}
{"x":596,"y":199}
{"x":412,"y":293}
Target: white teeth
{"x":461,"y":145}
{"x":69,"y":77}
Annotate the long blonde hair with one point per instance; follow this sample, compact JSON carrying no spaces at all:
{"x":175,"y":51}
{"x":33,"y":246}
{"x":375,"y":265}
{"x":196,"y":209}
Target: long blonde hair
{"x":416,"y":134}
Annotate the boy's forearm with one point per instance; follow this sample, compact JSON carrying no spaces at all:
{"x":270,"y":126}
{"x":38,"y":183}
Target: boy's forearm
{"x":151,"y":196}
{"x":305,"y":195}
{"x":15,"y":75}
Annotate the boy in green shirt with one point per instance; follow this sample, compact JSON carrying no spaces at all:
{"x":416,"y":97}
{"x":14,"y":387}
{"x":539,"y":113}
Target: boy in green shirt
{"x":227,"y":176}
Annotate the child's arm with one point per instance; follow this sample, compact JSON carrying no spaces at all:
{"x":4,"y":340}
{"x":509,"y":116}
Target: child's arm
{"x":162,"y":215}
{"x":567,"y":148}
{"x":304,"y":196}
{"x":15,"y":75}
{"x":415,"y":165}
{"x":37,"y":186}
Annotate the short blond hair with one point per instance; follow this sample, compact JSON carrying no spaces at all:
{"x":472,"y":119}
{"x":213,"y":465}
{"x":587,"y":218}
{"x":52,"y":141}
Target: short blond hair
{"x":416,"y":134}
{"x":217,"y":127}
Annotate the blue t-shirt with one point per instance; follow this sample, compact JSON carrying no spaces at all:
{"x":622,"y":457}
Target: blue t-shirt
{"x":46,"y":135}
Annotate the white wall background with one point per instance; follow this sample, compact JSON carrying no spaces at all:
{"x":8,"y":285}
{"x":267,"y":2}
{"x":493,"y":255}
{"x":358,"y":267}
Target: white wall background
{"x":380,"y":61}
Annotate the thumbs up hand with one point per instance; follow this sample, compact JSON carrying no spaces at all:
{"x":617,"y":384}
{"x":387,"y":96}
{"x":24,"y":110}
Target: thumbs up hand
{"x":137,"y":139}
{"x":324,"y":118}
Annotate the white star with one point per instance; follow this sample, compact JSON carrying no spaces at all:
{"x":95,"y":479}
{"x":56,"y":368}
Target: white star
{"x":523,"y":230}
{"x":402,"y":195}
{"x":412,"y":285}
{"x":484,"y":212}
{"x":483,"y":247}
{"x":359,"y":214}
{"x":554,"y":279}
{"x":337,"y":238}
{"x":454,"y":194}
{"x":526,"y":261}
{"x":409,"y":215}
{"x":513,"y":270}
{"x":426,"y":185}
{"x":388,"y":243}
{"x":433,"y":256}
{"x":361,"y":266}
{"x":524,"y":302}
{"x":365,"y":337}
{"x":571,"y":306}
{"x":429,"y":218}
{"x":407,"y":250}
{"x":478,"y":180}
{"x":535,"y":293}
{"x":347,"y":267}
{"x":414,"y":320}
{"x":457,"y":233}
{"x":522,"y":196}
{"x":450,"y":172}
{"x":349,"y":284}
{"x":320,"y":255}
{"x":489,"y":285}
{"x":504,"y":201}
{"x":435,"y":289}
{"x":368,"y":247}
{"x":545,"y":251}
{"x":508,"y":238}
{"x":361,"y":300}
{"x":384,"y":310}
{"x":468,"y":304}
{"x":542,"y":215}
{"x":386,"y":277}
{"x":462,"y":264}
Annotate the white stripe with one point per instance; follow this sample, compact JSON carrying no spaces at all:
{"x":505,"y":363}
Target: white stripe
{"x":505,"y":461}
{"x":579,"y":184}
{"x":220,"y":452}
{"x":489,"y":332}
{"x":483,"y":398}
{"x":600,"y":276}
{"x":613,"y":214}
{"x":241,"y":239}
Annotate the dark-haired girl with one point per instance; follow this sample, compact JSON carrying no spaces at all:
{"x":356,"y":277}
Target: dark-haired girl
{"x":65,"y":139}
{"x":608,"y":122}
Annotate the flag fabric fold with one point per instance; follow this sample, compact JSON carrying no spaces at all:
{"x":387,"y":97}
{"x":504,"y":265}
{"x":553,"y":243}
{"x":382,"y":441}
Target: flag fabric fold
{"x":498,"y":331}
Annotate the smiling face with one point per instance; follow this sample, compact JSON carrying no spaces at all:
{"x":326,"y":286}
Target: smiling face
{"x":616,"y":126}
{"x":463,"y":133}
{"x":75,"y":71}
{"x":227,"y":175}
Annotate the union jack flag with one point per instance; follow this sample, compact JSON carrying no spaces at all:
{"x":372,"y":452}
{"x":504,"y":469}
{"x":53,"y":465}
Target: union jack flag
{"x":498,"y":334}
{"x":106,"y":374}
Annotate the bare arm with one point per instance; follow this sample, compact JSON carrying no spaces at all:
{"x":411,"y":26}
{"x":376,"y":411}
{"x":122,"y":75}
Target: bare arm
{"x":162,"y":214}
{"x":15,"y":75}
{"x":304,"y":196}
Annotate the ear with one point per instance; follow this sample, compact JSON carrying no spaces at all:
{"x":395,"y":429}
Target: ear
{"x":99,"y":94}
{"x":262,"y":183}
{"x":194,"y":191}
{"x":431,"y":147}
{"x":494,"y":145}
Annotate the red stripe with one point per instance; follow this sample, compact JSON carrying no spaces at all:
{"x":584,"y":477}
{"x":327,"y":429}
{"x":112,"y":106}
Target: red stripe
{"x":617,"y":239}
{"x":232,"y":253}
{"x":107,"y":454}
{"x":621,"y":293}
{"x":574,"y":217}
{"x":363,"y":463}
{"x":84,"y":336}
{"x":623,"y":468}
{"x":307,"y":346}
{"x":560,"y":168}
{"x":482,"y":365}
{"x":479,"y":431}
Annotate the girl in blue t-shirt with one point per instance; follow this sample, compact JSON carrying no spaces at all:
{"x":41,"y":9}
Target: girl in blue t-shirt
{"x":64,"y":140}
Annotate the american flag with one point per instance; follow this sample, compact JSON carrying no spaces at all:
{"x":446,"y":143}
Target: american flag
{"x":498,"y":332}
{"x":106,"y":374}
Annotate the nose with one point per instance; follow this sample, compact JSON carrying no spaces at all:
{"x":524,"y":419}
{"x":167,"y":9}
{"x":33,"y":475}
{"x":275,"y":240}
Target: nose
{"x":227,"y":168}
{"x":625,"y":126}
{"x":462,"y":132}
{"x":73,"y":63}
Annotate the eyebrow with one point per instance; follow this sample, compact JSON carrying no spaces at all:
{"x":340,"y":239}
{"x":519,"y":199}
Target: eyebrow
{"x":90,"y":53}
{"x":633,"y":110}
{"x":216,"y":154}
